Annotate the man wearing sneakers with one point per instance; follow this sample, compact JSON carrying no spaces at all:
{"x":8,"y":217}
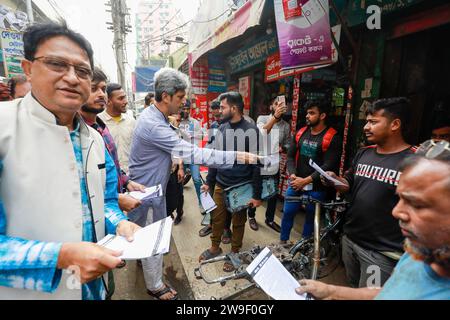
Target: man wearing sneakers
{"x":317,"y":142}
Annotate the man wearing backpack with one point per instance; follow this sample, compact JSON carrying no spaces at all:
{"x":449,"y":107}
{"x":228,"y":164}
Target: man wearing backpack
{"x":318,"y":142}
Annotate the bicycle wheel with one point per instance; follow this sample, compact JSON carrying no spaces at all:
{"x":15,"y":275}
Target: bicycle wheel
{"x":303,"y":254}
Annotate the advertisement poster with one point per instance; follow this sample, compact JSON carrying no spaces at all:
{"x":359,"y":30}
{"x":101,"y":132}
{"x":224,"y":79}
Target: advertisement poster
{"x":13,"y":52}
{"x":245,"y":90}
{"x":274,"y":70}
{"x":303,"y":33}
{"x":199,"y":110}
{"x":199,"y":75}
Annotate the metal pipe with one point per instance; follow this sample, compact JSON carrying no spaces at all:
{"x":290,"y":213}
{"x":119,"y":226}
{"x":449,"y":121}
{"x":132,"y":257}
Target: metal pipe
{"x":30,"y":11}
{"x":316,"y":259}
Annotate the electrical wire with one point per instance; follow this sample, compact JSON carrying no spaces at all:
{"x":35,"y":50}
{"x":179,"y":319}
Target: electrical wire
{"x":151,"y":13}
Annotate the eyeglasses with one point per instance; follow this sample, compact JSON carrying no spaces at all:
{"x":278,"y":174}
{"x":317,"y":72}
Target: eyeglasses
{"x":433,"y":150}
{"x":61,"y":66}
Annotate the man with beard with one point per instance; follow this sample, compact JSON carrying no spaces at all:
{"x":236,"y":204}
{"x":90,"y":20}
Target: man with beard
{"x":120,"y":124}
{"x":372,"y":236}
{"x":94,"y":106}
{"x":423,"y":272}
{"x":317,"y":142}
{"x":235,"y":134}
{"x":277,"y":132}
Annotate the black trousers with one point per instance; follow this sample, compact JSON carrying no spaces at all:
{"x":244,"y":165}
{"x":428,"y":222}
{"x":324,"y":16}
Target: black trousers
{"x":174,"y":195}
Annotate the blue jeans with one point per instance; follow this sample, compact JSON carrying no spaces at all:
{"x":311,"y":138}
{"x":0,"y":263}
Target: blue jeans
{"x":291,"y":209}
{"x":195,"y":173}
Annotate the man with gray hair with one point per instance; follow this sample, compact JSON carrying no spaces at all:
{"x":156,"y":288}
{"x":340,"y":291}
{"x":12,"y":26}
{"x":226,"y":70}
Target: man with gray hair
{"x":155,"y":144}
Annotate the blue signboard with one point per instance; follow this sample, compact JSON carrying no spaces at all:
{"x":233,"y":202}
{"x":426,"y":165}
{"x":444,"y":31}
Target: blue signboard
{"x":145,"y":79}
{"x":217,"y":77}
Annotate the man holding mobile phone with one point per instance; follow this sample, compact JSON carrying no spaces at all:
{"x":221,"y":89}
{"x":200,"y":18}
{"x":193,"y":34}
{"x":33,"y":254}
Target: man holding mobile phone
{"x":277,"y":131}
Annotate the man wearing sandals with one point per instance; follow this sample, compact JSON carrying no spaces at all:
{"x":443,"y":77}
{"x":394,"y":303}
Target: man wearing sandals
{"x":155,"y":145}
{"x":234,"y":129}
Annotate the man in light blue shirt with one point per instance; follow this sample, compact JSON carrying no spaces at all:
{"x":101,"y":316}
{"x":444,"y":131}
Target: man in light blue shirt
{"x":155,"y":144}
{"x":423,"y":273}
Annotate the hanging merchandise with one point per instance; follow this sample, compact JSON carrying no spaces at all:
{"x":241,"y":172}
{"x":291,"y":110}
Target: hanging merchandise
{"x":346,"y":129}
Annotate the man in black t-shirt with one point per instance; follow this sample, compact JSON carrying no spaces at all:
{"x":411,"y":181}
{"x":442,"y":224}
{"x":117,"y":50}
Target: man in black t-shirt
{"x":372,"y":241}
{"x":320,"y":143}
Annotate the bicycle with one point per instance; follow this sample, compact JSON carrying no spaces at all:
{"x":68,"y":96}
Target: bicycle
{"x":319,"y":255}
{"x":314,"y":257}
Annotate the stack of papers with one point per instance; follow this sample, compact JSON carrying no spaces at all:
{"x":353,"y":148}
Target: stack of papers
{"x":153,"y":192}
{"x":207,"y":202}
{"x":268,"y":272}
{"x":324,"y":174}
{"x":149,"y":241}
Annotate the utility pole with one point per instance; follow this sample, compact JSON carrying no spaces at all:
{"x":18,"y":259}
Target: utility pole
{"x":120,"y":27}
{"x":30,"y":11}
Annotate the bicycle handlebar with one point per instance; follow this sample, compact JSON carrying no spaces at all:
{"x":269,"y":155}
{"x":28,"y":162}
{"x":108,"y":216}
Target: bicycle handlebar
{"x":309,"y":199}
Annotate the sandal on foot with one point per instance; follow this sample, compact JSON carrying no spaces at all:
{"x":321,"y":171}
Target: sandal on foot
{"x":207,"y":255}
{"x":160,"y":293}
{"x":205,"y":231}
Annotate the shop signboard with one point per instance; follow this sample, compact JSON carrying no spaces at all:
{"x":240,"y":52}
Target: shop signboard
{"x":217,"y":77}
{"x":13,"y":52}
{"x":304,"y":39}
{"x":245,"y":90}
{"x":253,"y":54}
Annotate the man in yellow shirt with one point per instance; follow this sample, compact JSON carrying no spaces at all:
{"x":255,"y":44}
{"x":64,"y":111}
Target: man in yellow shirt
{"x":119,"y":123}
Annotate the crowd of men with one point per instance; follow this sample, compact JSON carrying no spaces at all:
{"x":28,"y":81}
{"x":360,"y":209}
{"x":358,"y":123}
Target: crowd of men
{"x":70,"y":153}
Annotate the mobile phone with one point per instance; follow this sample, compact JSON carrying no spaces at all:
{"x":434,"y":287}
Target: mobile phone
{"x":281,"y":99}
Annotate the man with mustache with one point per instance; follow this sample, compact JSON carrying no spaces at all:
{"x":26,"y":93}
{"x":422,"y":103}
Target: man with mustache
{"x":58,"y":183}
{"x":318,"y":142}
{"x":277,"y":131}
{"x":372,"y":236}
{"x":90,"y":111}
{"x":120,"y":124}
{"x":423,"y":212}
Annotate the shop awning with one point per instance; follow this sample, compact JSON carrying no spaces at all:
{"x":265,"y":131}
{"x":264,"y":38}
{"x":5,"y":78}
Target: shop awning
{"x":247,"y":16}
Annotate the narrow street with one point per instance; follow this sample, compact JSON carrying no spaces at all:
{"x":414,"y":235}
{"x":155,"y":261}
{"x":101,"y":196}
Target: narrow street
{"x":186,"y":247}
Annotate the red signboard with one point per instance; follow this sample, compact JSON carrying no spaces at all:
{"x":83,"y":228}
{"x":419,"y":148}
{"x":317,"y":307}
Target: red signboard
{"x":273,"y":69}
